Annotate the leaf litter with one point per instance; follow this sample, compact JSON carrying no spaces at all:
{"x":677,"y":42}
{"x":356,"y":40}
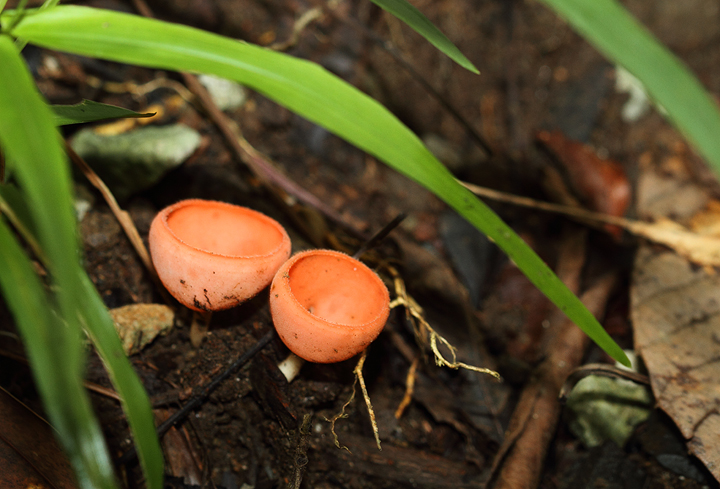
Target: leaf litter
{"x":676,"y":316}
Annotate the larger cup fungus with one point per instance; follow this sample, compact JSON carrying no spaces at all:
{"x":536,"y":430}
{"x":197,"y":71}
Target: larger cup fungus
{"x":213,"y":255}
{"x":327,"y":306}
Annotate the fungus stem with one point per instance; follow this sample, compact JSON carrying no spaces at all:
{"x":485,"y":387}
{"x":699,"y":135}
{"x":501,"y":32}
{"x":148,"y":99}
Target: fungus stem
{"x":290,"y":367}
{"x":199,"y":327}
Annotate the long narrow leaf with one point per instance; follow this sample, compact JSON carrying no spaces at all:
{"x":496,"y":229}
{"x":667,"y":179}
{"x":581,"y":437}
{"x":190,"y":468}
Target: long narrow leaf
{"x":310,"y":91}
{"x":62,"y":392}
{"x":89,"y":111}
{"x":61,"y":389}
{"x":607,"y":25}
{"x":422,"y":25}
{"x":136,"y":404}
{"x":32,"y":144}
{"x":29,"y":139}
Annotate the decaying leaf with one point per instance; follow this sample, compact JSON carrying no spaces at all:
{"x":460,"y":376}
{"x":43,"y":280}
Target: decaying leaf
{"x":676,"y":319}
{"x":600,"y":182}
{"x":698,"y":248}
{"x":701,"y":244}
{"x":29,"y":455}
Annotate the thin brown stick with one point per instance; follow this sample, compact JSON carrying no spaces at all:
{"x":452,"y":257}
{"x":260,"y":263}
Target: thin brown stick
{"x":258,"y":163}
{"x":9,"y":213}
{"x":702,"y":249}
{"x":91,"y":386}
{"x":409,"y":388}
{"x":519,"y":462}
{"x":602,"y":370}
{"x":571,"y":260}
{"x":574,"y":212}
{"x":123,"y":217}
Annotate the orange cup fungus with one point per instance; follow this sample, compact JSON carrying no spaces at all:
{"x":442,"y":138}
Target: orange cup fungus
{"x":327,"y":306}
{"x":213,"y":255}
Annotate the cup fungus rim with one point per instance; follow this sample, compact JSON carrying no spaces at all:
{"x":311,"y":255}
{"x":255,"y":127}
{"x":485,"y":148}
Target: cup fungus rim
{"x":167,"y":211}
{"x":292,"y":261}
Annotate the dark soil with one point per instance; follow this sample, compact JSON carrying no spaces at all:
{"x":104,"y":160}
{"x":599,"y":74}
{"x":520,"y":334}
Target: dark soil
{"x":536,"y":74}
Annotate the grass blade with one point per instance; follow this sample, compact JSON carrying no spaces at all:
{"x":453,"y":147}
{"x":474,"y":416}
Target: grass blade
{"x":32,"y":144}
{"x":89,"y":111}
{"x":612,"y":30}
{"x":312,"y":92}
{"x":54,"y":346}
{"x":422,"y":25}
{"x":57,"y":379}
{"x":136,"y":404}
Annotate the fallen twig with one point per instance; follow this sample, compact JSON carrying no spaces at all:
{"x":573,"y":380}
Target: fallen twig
{"x":698,"y":248}
{"x":123,"y":217}
{"x":603,"y":370}
{"x":303,"y":21}
{"x":205,"y":391}
{"x":518,"y":464}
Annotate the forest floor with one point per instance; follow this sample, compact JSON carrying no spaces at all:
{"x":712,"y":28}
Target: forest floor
{"x":541,"y":89}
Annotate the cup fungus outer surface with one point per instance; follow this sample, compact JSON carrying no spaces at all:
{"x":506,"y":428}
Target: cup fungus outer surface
{"x":212,"y":255}
{"x":327,"y":306}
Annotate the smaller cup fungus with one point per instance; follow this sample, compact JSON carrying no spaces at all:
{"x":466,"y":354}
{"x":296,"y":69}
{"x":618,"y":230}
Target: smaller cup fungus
{"x":213,"y":255}
{"x":327,"y":306}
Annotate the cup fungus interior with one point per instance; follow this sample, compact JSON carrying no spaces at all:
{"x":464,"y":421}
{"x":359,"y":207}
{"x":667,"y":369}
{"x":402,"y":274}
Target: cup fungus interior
{"x":228,"y":230}
{"x":336,"y":289}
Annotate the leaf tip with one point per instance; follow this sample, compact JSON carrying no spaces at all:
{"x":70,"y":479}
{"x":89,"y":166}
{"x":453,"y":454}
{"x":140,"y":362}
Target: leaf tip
{"x":621,"y":357}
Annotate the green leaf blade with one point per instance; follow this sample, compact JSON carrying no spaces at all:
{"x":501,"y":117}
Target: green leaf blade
{"x":60,"y":387}
{"x":615,"y":33}
{"x":423,"y":26}
{"x":310,"y":91}
{"x":31,"y":141}
{"x":54,"y":346}
{"x":136,"y":404}
{"x":89,"y":111}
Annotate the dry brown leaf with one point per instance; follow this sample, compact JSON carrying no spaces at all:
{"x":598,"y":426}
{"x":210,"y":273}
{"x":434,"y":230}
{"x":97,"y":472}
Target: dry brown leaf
{"x":29,"y":455}
{"x":676,"y":318}
{"x":699,"y":248}
{"x":700,"y":245}
{"x":600,"y":182}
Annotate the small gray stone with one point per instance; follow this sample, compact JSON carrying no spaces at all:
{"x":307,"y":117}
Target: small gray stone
{"x":226,"y":94}
{"x":139,"y":324}
{"x":607,"y":409}
{"x":136,"y":160}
